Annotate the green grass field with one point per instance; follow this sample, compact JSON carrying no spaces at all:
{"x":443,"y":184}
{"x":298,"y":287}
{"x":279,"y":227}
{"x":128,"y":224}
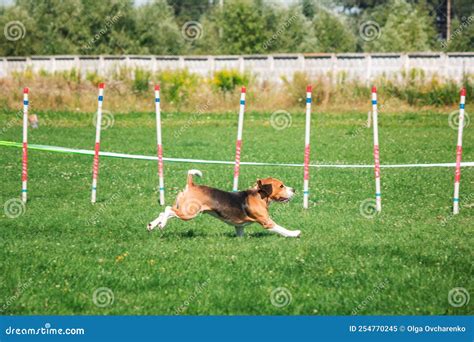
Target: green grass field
{"x":62,"y":249}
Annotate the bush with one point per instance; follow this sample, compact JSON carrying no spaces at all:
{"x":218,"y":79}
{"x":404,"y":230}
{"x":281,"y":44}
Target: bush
{"x":227,"y":80}
{"x":93,"y":78}
{"x":397,"y":25}
{"x":141,"y":80}
{"x":296,"y":87}
{"x":177,"y":85}
{"x":71,"y":76}
{"x":122,"y":73}
{"x":417,"y":91}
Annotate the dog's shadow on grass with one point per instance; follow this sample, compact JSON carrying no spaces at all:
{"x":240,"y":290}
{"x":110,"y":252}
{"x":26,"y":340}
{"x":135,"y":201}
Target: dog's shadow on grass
{"x":192,"y":233}
{"x":254,"y":235}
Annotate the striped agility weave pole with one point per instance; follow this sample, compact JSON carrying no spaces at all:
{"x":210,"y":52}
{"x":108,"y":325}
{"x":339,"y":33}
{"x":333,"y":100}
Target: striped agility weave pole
{"x":307,"y":148}
{"x":95,"y":166}
{"x":457,"y":175}
{"x":159,"y":145}
{"x":238,"y":144}
{"x":24,"y":164}
{"x":378,"y":193}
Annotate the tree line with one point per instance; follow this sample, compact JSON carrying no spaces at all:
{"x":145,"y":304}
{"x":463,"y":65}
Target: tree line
{"x":180,"y":27}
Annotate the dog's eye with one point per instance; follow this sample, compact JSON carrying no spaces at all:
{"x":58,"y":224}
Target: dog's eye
{"x":281,"y":186}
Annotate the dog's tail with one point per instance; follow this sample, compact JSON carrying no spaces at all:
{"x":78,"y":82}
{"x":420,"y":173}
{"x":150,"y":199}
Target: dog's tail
{"x":192,"y":173}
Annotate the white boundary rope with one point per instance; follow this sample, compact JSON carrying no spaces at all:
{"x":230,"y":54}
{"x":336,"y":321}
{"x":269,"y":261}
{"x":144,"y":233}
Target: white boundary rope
{"x":205,"y":161}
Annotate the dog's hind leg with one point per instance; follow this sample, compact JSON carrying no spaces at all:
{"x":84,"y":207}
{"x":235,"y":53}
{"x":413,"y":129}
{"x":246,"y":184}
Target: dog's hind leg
{"x":239,"y":231}
{"x":167,"y":214}
{"x":162,"y":219}
{"x":185,"y":208}
{"x":154,"y":223}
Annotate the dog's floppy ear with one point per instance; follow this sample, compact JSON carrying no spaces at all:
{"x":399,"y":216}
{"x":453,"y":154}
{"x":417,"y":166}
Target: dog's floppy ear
{"x":265,"y":190}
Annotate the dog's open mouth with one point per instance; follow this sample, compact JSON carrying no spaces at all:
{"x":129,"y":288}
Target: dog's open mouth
{"x":283,"y":200}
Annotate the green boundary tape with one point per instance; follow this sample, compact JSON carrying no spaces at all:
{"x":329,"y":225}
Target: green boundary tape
{"x":67,"y":150}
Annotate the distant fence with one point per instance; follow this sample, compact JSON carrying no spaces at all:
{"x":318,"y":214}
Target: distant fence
{"x":360,"y":66}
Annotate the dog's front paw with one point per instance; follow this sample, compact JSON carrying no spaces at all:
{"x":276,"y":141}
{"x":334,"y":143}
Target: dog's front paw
{"x":296,"y":233}
{"x":152,"y":225}
{"x":162,"y":223}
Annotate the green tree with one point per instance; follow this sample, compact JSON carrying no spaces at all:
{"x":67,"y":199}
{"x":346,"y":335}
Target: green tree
{"x":110,"y":26}
{"x":332,"y":33}
{"x":70,"y":27}
{"x":18,"y":32}
{"x":292,"y":33}
{"x":462,"y":36}
{"x":187,"y":10}
{"x":57,"y":25}
{"x":309,"y":9}
{"x":397,"y":26}
{"x":436,"y":8}
{"x":156,"y":31}
{"x":241,"y":27}
{"x":252,"y":27}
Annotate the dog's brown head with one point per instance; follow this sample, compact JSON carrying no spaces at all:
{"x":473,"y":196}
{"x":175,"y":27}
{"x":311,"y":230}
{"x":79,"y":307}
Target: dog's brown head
{"x":274,"y":189}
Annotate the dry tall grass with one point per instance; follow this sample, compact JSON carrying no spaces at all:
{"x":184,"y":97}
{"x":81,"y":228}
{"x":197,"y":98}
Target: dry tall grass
{"x":182,"y":91}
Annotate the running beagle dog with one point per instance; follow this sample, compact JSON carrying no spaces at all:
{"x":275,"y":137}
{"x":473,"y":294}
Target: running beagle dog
{"x":235,"y":208}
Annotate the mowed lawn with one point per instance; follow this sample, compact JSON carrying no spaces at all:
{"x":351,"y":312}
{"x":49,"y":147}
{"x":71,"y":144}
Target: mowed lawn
{"x":62,"y":250}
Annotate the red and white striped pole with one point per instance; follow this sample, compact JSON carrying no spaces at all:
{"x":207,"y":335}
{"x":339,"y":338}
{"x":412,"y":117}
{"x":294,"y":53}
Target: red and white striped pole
{"x":307,"y":148}
{"x":24,"y":165}
{"x":457,"y":176}
{"x":378,"y":193}
{"x":159,"y":145}
{"x":238,"y":145}
{"x":95,"y":167}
